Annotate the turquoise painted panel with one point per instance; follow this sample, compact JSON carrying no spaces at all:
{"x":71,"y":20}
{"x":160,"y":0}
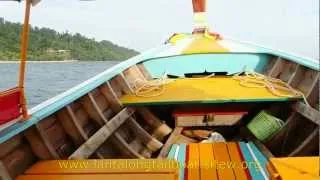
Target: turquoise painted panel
{"x":195,"y":63}
{"x":254,"y":172}
{"x":181,"y":148}
{"x":181,"y":160}
{"x":172,"y":151}
{"x":49,"y":107}
{"x":261,"y":158}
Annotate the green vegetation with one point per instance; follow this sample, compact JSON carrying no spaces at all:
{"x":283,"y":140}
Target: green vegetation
{"x":47,"y":44}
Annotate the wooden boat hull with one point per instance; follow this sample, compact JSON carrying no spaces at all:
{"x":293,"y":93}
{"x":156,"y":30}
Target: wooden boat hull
{"x":89,"y":120}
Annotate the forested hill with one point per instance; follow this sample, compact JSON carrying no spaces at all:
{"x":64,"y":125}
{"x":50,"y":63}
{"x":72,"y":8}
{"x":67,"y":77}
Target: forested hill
{"x":47,"y":44}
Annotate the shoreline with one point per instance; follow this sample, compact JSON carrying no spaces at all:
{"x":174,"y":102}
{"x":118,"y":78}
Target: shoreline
{"x":16,"y":61}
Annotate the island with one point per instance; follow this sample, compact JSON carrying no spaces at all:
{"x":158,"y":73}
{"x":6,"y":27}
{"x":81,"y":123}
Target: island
{"x":49,"y":45}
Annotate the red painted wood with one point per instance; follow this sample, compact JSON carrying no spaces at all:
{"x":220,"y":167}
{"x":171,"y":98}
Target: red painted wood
{"x":9,"y":105}
{"x":242,"y":158}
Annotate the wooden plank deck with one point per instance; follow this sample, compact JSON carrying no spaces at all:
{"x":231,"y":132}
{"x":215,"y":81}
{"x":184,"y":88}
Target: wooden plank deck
{"x":222,"y":156}
{"x":235,"y":157}
{"x":193,"y":162}
{"x":231,"y":160}
{"x":207,"y":169}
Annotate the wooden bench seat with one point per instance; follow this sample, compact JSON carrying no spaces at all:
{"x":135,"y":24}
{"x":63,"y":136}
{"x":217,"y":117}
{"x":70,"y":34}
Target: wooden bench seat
{"x":142,"y":169}
{"x":232,"y":160}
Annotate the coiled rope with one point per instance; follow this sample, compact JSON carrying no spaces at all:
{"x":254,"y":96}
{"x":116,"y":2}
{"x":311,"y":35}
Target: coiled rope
{"x":153,"y":88}
{"x":250,"y":79}
{"x":277,"y":87}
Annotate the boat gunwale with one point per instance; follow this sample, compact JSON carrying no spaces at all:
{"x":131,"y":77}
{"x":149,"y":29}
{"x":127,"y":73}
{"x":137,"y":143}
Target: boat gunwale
{"x":59,"y":101}
{"x":309,"y":62}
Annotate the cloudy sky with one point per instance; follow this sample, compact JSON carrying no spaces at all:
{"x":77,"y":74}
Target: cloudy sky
{"x":291,"y":25}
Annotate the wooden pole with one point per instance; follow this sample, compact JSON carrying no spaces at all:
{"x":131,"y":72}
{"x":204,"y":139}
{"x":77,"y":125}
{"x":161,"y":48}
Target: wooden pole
{"x":199,"y":6}
{"x":23,"y":58}
{"x":199,"y":15}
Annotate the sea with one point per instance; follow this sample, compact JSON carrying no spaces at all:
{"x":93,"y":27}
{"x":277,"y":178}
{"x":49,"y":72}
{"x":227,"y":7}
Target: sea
{"x":45,"y":80}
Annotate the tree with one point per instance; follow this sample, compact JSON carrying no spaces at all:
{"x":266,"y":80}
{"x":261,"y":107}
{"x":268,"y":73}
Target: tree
{"x":47,"y":44}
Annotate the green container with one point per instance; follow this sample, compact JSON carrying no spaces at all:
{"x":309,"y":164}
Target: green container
{"x":264,"y":126}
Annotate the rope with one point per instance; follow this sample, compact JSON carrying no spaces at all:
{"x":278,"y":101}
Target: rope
{"x":275,"y":86}
{"x":153,"y":88}
{"x":156,"y":87}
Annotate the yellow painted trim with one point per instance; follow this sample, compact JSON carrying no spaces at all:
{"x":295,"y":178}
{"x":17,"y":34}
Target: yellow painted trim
{"x":204,"y":44}
{"x":177,"y":37}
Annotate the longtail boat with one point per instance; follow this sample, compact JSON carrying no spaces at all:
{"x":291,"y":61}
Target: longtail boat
{"x":199,"y":97}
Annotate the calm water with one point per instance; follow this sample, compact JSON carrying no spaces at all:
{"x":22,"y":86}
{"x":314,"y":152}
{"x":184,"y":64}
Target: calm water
{"x":45,"y":80}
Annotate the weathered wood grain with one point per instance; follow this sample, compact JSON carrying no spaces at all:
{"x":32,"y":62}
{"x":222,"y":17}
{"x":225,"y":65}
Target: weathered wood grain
{"x":93,"y":143}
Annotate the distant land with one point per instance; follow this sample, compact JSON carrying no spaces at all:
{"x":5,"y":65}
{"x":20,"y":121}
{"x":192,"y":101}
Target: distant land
{"x":49,"y":45}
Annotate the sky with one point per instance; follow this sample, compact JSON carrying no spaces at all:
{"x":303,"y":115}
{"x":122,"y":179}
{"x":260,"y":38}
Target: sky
{"x":289,"y":25}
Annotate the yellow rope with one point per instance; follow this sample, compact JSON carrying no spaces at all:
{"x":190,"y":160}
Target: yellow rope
{"x":275,"y":86}
{"x":153,"y":88}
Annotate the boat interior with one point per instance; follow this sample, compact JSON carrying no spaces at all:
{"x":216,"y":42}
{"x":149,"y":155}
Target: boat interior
{"x":197,"y":103}
{"x":147,"y":108}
